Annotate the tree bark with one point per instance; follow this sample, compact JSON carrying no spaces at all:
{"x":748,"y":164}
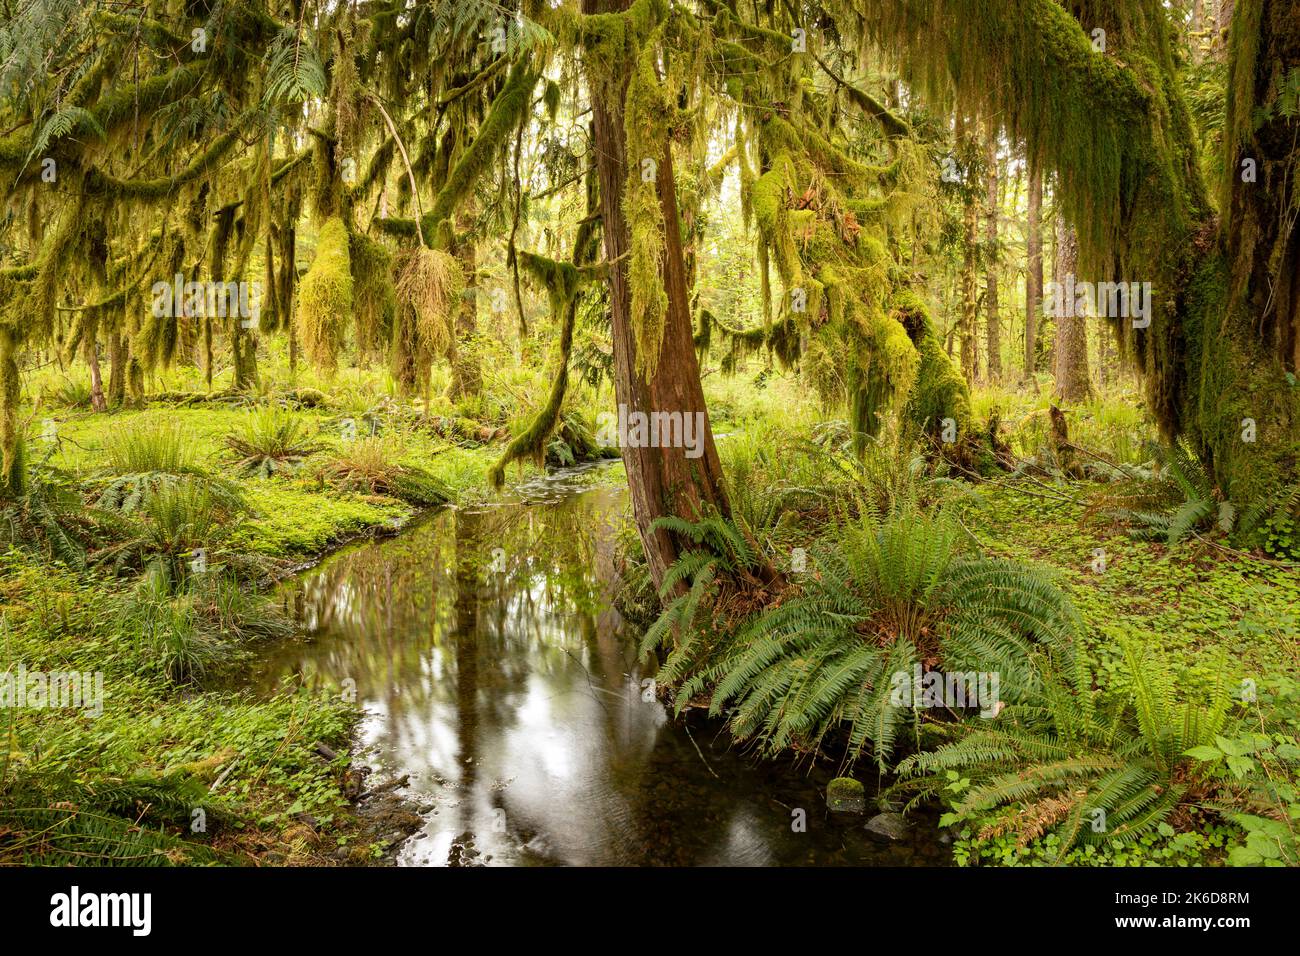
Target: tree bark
{"x":11,"y":477}
{"x":1034,"y":267}
{"x":91,"y":350}
{"x":1072,"y":382}
{"x":993,"y":334}
{"x":288,"y":283}
{"x":661,"y":481}
{"x":969,"y":282}
{"x":466,"y":373}
{"x":116,"y":369}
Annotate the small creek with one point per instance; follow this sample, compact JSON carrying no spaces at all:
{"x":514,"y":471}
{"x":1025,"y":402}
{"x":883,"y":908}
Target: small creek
{"x":494,"y":671}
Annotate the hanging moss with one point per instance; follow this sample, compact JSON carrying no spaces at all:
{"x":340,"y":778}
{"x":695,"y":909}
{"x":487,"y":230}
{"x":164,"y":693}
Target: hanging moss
{"x":373,"y":297}
{"x":325,"y":298}
{"x":563,"y":282}
{"x":112,"y":112}
{"x":427,"y":286}
{"x":162,"y":187}
{"x":531,"y":443}
{"x":647,"y":114}
{"x":509,"y":108}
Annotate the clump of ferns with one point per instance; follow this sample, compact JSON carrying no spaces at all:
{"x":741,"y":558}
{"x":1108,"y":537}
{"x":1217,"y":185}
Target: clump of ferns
{"x":889,"y":473}
{"x":188,"y":606}
{"x":181,"y":628}
{"x":370,"y":466}
{"x":1073,"y":762}
{"x":55,"y":818}
{"x":269,"y":442}
{"x":152,"y":456}
{"x":185,"y":524}
{"x":42,"y":511}
{"x":1178,"y":500}
{"x":885,"y":593}
{"x":706,"y":585}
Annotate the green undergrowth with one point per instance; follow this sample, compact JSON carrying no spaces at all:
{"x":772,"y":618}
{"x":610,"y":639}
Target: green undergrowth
{"x":171,"y":766}
{"x":295,"y":515}
{"x":154,"y":773}
{"x":1195,"y":623}
{"x":1194,"y":598}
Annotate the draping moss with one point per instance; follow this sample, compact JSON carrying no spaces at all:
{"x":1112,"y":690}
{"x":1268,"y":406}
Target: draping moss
{"x":325,"y":298}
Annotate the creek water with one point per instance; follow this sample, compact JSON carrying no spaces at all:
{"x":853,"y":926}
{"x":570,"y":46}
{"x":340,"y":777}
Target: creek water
{"x":494,"y":671}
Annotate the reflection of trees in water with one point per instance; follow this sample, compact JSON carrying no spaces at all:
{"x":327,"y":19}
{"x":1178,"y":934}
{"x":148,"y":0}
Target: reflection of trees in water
{"x":448,"y":653}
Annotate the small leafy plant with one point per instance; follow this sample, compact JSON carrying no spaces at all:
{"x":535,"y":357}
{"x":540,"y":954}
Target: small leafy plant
{"x":269,"y":442}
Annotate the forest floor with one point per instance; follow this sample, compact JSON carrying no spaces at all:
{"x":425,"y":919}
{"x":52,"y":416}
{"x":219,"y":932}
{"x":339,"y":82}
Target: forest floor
{"x":1196,"y":601}
{"x":281,"y":802}
{"x":278,"y":800}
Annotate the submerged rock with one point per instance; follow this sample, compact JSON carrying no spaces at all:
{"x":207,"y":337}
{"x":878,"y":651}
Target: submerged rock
{"x":846,"y":795}
{"x":887,"y":827}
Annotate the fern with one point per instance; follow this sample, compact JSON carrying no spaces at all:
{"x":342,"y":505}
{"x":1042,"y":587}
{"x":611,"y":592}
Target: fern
{"x":1060,"y":763}
{"x":886,"y":594}
{"x":65,"y":122}
{"x":1179,"y":502}
{"x":294,"y":72}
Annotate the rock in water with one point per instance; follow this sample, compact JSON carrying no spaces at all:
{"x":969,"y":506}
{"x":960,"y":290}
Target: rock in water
{"x":846,"y":795}
{"x":887,"y":827}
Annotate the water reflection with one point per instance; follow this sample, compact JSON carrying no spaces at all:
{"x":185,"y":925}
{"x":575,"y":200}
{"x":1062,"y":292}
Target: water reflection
{"x":495,"y":672}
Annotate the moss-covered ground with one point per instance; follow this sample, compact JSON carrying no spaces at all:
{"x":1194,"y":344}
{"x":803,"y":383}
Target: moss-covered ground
{"x":212,"y":774}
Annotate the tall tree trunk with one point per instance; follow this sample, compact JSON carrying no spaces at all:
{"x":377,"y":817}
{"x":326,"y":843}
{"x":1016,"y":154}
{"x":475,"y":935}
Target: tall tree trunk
{"x":288,"y":283}
{"x":207,"y":351}
{"x":116,"y":369}
{"x":1034,"y":267}
{"x":993,"y":334}
{"x":1072,"y":383}
{"x":661,"y":481}
{"x":1245,"y":298}
{"x":466,"y":373}
{"x":970,"y":260}
{"x":91,"y":352}
{"x":11,"y":476}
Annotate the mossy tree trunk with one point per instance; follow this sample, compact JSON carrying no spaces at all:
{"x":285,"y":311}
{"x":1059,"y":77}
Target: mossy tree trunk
{"x":970,"y":259}
{"x":91,"y":351}
{"x":993,"y":333}
{"x":1071,"y":351}
{"x":661,"y":481}
{"x":1243,"y":302}
{"x":466,"y":373}
{"x":117,"y":354}
{"x":207,"y":352}
{"x":1219,"y":353}
{"x":1033,"y":267}
{"x":11,"y":477}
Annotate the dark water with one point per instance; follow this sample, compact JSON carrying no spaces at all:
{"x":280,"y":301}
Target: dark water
{"x":494,"y":671}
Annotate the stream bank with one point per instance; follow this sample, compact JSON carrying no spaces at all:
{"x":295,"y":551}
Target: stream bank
{"x":498,"y":679}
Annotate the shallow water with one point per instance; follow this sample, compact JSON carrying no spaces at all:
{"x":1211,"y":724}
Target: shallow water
{"x":494,"y":672}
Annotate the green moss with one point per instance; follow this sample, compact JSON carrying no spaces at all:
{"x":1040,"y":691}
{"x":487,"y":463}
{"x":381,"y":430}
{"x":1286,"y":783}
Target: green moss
{"x":163,"y":187}
{"x":373,"y":298}
{"x":562,"y":281}
{"x":846,"y":795}
{"x":325,"y":297}
{"x":940,"y":391}
{"x":508,"y":110}
{"x":298,"y":519}
{"x":647,"y":114}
